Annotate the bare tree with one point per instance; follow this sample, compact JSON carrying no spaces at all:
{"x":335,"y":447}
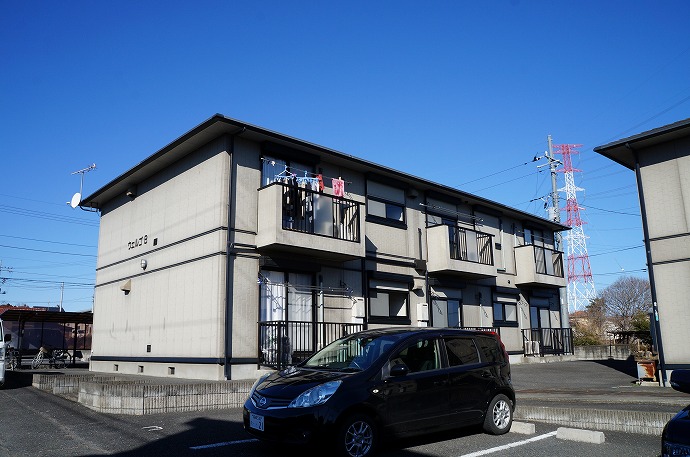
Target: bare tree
{"x":625,"y":300}
{"x":590,"y":325}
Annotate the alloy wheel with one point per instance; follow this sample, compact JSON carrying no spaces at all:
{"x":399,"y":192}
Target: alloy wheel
{"x":358,"y":439}
{"x":501,"y":414}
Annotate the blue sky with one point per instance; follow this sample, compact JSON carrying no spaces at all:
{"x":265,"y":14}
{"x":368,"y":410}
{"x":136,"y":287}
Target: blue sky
{"x":461,"y":93}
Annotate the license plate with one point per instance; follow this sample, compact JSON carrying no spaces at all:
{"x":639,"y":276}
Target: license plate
{"x":256,"y":421}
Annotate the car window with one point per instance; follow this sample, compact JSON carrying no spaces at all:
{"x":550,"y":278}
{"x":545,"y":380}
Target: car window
{"x":422,"y":355}
{"x":353,"y":353}
{"x":461,"y":351}
{"x":489,"y":348}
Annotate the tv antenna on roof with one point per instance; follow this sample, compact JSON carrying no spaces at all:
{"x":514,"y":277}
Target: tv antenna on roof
{"x":76,"y":198}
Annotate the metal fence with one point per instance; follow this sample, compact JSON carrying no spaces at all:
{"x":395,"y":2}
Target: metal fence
{"x":282,"y":343}
{"x":551,"y":341}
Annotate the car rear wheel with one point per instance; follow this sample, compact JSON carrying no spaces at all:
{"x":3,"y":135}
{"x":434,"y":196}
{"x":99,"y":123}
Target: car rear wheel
{"x":499,"y":415}
{"x":357,"y":436}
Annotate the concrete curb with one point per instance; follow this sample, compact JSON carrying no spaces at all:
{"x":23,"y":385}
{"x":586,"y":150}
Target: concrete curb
{"x":523,"y":428}
{"x":641,"y":422}
{"x":583,"y":436}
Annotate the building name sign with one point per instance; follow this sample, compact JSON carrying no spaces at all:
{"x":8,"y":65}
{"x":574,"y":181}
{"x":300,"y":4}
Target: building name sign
{"x":142,"y":240}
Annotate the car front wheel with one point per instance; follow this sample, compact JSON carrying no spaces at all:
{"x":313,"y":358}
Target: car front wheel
{"x":357,"y":436}
{"x":499,"y":416}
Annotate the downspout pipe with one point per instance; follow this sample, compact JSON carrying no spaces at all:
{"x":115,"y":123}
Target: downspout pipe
{"x":650,"y":266}
{"x":230,"y":147}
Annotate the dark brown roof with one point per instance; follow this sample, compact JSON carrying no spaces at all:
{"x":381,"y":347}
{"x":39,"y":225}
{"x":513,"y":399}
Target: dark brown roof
{"x":28,"y":315}
{"x":621,"y":151}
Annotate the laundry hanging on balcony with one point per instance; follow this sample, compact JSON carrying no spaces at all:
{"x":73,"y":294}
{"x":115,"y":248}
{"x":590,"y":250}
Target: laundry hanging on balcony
{"x":338,"y":187}
{"x":308,"y":182}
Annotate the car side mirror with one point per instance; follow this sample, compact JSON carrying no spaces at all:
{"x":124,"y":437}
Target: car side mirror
{"x":680,"y":380}
{"x":399,"y":370}
{"x":8,"y":338}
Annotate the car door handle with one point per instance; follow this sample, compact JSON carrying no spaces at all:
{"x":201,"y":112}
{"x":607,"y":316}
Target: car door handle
{"x":486,"y":374}
{"x":441,"y":383}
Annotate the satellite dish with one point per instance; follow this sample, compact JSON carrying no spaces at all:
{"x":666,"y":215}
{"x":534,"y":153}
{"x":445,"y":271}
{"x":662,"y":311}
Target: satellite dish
{"x":76,"y":199}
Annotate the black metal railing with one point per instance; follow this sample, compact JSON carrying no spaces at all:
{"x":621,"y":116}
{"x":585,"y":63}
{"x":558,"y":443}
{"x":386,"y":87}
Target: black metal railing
{"x":551,"y":341}
{"x":308,"y":211}
{"x":282,"y":343}
{"x":548,"y":261}
{"x":496,"y":330}
{"x":471,"y":246}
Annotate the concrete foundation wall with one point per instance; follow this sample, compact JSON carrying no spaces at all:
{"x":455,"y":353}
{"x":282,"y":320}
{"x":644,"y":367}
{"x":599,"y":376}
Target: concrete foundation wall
{"x":603,"y":352}
{"x":125,"y":395}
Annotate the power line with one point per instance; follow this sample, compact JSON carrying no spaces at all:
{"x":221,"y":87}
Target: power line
{"x":47,"y":241}
{"x":620,"y":272}
{"x":48,"y":216}
{"x":636,"y":126}
{"x":45,"y":281}
{"x":617,"y":250}
{"x":47,"y":252}
{"x":32,"y":200}
{"x":502,"y":171}
{"x":504,"y":182}
{"x":610,"y":211}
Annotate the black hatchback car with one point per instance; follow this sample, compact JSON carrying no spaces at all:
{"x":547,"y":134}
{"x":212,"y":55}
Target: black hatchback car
{"x":385,"y":383}
{"x":675,"y":439}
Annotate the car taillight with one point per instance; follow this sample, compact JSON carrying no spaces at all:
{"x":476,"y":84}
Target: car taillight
{"x":500,"y":342}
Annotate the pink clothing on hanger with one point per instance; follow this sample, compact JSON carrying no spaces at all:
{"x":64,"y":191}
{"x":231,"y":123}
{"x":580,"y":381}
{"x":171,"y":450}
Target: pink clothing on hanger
{"x":338,"y":187}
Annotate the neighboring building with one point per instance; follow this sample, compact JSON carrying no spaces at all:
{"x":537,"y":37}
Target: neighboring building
{"x":661,"y":161}
{"x":235,"y":247}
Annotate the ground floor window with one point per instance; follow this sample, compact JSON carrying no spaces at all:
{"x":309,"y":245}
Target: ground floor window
{"x":445,"y":312}
{"x":389,"y":302}
{"x":505,"y":313}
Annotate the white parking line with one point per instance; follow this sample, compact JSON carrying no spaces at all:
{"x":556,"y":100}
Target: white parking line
{"x":225,"y":443}
{"x":508,"y":446}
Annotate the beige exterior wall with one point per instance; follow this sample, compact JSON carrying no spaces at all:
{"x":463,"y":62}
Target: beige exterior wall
{"x":210,"y":224}
{"x":176,"y":304}
{"x":665,"y":175}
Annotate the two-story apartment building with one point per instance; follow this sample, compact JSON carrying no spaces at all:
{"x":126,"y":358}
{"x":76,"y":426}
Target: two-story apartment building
{"x":235,"y":247}
{"x":660,"y":159}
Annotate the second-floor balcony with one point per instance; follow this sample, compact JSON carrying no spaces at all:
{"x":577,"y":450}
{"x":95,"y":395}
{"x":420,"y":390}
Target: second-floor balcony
{"x":540,"y":266}
{"x":301,"y":220}
{"x":460,"y":251}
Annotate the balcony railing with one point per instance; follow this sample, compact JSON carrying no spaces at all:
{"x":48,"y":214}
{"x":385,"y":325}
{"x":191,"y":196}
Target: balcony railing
{"x":496,"y":330}
{"x":282,"y":343}
{"x":471,"y":246}
{"x":551,"y":341}
{"x":308,"y":211}
{"x":548,"y":261}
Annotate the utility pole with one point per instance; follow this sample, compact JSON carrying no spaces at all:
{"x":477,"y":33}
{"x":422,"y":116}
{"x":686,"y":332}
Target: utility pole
{"x":62,"y":291}
{"x":555,"y":210}
{"x":554,"y":213}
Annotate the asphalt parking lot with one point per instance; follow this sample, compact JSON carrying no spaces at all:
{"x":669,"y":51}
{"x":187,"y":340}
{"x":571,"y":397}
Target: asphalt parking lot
{"x":37,"y":423}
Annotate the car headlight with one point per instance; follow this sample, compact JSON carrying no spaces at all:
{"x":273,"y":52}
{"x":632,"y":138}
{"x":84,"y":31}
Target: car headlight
{"x":317,"y":395}
{"x":675,"y":449}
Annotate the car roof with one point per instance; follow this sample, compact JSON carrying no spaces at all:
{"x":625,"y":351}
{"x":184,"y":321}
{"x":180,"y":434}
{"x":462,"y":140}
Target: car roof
{"x":422,"y":331}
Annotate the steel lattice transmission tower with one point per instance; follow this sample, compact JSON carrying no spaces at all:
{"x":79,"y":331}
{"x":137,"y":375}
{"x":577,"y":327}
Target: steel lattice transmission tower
{"x":580,"y":281}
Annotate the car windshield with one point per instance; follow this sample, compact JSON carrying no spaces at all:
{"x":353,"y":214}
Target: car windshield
{"x":352,"y":353}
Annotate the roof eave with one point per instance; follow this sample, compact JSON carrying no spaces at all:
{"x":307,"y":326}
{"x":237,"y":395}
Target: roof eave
{"x":621,"y":151}
{"x":205,"y":132}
